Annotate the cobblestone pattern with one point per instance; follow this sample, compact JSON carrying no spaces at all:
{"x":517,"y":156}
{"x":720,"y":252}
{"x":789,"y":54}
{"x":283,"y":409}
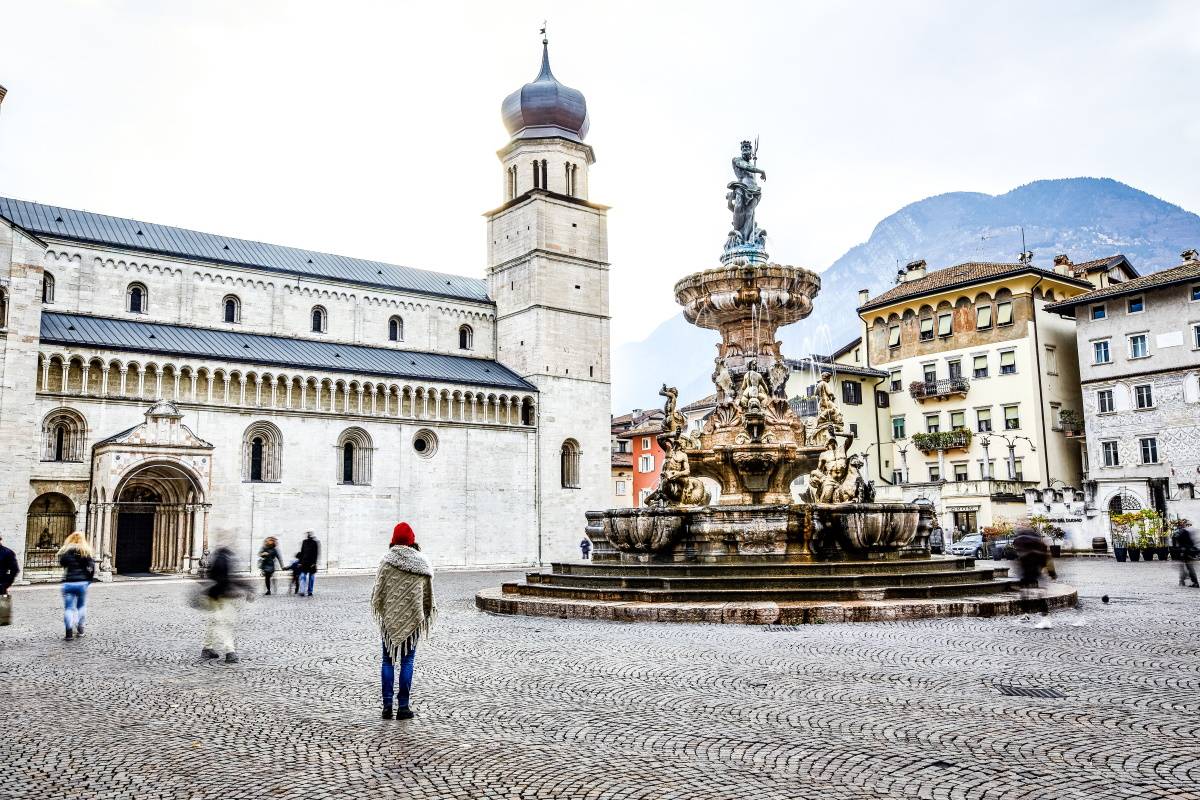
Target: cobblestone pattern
{"x":519,"y":708}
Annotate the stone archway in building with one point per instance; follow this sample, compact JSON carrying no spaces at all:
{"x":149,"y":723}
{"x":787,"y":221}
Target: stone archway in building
{"x":50,"y":520}
{"x":157,"y":519}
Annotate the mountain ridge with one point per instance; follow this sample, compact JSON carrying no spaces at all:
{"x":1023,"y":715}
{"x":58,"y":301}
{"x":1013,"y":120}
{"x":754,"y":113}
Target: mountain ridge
{"x":1084,"y":217}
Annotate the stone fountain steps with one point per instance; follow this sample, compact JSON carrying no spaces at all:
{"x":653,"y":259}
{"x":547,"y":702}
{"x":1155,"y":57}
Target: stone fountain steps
{"x":982,"y":586}
{"x":774,"y":582}
{"x":767,"y":568}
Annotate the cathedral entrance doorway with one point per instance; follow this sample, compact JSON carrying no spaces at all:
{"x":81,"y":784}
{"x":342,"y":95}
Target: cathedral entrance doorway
{"x":135,"y":530}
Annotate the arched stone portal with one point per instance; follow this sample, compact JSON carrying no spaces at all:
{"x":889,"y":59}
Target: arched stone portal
{"x":156,"y":520}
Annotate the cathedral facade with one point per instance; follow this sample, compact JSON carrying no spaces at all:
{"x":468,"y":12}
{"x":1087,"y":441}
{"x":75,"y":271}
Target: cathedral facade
{"x":166,"y":390}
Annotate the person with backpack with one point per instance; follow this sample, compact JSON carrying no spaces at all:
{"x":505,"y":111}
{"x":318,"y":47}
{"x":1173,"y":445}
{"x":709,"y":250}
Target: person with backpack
{"x":79,"y":570}
{"x":402,"y":604}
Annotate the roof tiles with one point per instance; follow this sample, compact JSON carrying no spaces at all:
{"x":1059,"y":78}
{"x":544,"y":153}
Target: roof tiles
{"x":960,"y":275}
{"x":1183,"y":273}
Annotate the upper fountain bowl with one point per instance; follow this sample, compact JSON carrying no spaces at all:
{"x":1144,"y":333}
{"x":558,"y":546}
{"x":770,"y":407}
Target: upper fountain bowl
{"x":727,"y":295}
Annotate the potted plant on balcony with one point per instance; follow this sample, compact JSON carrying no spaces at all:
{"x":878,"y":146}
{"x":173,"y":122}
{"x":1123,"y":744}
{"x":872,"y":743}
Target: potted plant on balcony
{"x":942,"y":440}
{"x":1071,"y":421}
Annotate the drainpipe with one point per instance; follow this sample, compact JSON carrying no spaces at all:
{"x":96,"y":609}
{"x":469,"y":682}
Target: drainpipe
{"x":1037,"y":360}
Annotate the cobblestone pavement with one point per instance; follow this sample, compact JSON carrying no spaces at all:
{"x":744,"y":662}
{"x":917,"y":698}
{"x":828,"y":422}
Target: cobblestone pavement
{"x":542,"y":708}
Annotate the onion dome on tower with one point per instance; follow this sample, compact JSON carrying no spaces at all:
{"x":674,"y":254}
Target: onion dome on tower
{"x":546,"y":108}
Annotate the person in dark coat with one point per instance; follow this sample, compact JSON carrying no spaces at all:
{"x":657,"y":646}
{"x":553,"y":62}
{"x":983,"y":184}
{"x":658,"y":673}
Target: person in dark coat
{"x":9,"y":568}
{"x":296,"y":568}
{"x":310,"y":550}
{"x":1185,"y":540}
{"x":585,"y":547}
{"x":222,"y":596}
{"x":268,"y":557}
{"x":1032,"y":557}
{"x":79,"y":570}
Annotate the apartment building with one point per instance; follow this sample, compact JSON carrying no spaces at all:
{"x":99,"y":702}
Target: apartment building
{"x":978,"y":374}
{"x":1138,"y":347}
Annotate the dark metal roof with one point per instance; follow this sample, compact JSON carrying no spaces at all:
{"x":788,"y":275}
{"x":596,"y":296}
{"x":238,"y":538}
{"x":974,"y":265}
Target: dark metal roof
{"x":545,"y":108}
{"x":280,"y":351}
{"x":147,"y":237}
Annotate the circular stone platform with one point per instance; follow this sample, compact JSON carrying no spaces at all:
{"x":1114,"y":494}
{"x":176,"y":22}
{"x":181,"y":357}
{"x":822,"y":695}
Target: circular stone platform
{"x":772,"y":594}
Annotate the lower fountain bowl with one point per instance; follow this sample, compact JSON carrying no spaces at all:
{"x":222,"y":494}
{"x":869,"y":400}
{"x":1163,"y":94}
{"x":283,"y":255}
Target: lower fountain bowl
{"x":870,"y":526}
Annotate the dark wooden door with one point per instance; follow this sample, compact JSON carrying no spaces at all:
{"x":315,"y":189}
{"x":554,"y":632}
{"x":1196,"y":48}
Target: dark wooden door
{"x":135,"y":541}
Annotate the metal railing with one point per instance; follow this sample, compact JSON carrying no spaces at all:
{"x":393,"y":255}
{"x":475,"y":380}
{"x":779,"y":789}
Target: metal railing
{"x":921,"y":390}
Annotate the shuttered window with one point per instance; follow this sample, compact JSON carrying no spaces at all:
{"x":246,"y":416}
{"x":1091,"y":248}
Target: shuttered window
{"x":983,"y":317}
{"x":944,"y":322}
{"x":894,"y":336}
{"x":1004,"y":314}
{"x":927,"y":328}
{"x":1008,"y":362}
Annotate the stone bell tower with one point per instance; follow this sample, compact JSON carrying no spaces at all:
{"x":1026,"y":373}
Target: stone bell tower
{"x":548,"y":274}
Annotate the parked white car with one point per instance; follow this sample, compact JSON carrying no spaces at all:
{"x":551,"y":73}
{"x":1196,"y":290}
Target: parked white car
{"x":971,"y":545}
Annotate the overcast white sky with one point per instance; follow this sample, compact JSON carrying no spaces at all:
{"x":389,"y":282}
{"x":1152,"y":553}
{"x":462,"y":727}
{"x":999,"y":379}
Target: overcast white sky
{"x":370,"y":128}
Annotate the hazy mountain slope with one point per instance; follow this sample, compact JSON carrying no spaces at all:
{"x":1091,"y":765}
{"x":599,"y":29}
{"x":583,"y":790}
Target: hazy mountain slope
{"x":1082,"y":217}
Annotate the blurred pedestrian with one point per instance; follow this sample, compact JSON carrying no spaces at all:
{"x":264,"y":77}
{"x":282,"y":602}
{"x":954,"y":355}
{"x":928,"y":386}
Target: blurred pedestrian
{"x":1187,"y":542}
{"x":79,"y":570}
{"x":310,"y":550}
{"x":1033,"y":556}
{"x":9,"y":568}
{"x":936,"y":541}
{"x":268,"y":556}
{"x":222,"y":598}
{"x":585,"y":547}
{"x":402,"y":604}
{"x":296,"y":569}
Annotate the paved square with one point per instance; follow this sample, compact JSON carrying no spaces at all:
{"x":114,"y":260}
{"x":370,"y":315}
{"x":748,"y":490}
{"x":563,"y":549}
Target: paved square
{"x":543,"y":708}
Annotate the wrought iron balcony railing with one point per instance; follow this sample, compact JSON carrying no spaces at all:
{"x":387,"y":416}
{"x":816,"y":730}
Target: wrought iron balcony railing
{"x":943,"y":440}
{"x":930,"y":390}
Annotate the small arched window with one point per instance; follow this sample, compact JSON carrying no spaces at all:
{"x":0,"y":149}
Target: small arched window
{"x":232,"y":308}
{"x":570,"y":464}
{"x":63,"y":435}
{"x":319,"y":319}
{"x":135,"y":298}
{"x":395,"y":329}
{"x":47,"y":287}
{"x":354,"y":452}
{"x":261,"y":451}
{"x":466,"y":338}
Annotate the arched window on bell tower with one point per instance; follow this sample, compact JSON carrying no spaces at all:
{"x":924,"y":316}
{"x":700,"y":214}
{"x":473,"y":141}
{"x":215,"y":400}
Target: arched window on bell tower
{"x":545,"y":176}
{"x":537,"y":175}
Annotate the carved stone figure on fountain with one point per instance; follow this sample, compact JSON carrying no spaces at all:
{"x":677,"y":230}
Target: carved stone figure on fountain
{"x":779,"y":378}
{"x":746,"y":240}
{"x":676,"y":486}
{"x":724,"y":383}
{"x":828,"y":415}
{"x":754,"y":391}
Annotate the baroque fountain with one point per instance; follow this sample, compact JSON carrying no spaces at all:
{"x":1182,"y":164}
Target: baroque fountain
{"x":723,"y":538}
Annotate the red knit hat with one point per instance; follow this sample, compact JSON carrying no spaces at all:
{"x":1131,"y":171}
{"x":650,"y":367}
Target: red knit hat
{"x":403,"y":534}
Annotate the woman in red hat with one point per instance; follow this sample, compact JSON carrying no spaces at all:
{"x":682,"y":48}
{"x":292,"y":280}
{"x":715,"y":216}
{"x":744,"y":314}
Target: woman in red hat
{"x":402,"y":603}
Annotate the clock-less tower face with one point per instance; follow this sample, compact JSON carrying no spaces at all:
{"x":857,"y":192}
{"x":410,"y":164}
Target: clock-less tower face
{"x":548,"y":274}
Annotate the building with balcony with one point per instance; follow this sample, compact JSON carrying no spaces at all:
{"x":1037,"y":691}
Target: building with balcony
{"x":977,"y":375}
{"x":1138,"y":344}
{"x":624,"y":475}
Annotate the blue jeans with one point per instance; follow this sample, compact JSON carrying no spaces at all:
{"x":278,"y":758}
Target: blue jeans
{"x":307,"y":581}
{"x":387,"y":675}
{"x":74,"y":604}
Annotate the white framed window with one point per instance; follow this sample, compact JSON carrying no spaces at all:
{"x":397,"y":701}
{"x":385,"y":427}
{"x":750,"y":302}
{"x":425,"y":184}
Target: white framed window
{"x":231,"y":308}
{"x":1008,"y":362}
{"x":960,"y":471}
{"x":1143,"y":396}
{"x":1101,"y":353}
{"x":1099,"y":311}
{"x":646,"y":463}
{"x":1112,"y":456}
{"x":933,"y":423}
{"x":642,"y":495}
{"x":954,"y":368}
{"x":645,"y":442}
{"x":396,"y":329}
{"x":979,"y":366}
{"x":1104,"y":401}
{"x":983,"y":420}
{"x":945,"y":324}
{"x":926,"y":329}
{"x":894,"y":336}
{"x":983,"y":317}
{"x":1004,"y":313}
{"x":958,"y":420}
{"x":1138,"y":347}
{"x":929,"y":372}
{"x":1149,"y":447}
{"x":1135,"y":305}
{"x":320,"y":319}
{"x":898,"y":431}
{"x":1196,"y":336}
{"x":466,"y":337}
{"x":136,"y":298}
{"x":896,"y":383}
{"x":1012,"y":418}
{"x":621,"y":488}
{"x":1051,"y":360}
{"x":935,"y":473}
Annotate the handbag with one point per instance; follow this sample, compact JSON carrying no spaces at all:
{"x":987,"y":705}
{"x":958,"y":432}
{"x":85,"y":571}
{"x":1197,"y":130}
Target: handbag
{"x":5,"y":609}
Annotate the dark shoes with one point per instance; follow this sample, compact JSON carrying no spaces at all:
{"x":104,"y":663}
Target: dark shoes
{"x":209,"y":653}
{"x":79,"y":631}
{"x":387,"y":712}
{"x":70,"y":635}
{"x":405,"y":713}
{"x":231,"y":658}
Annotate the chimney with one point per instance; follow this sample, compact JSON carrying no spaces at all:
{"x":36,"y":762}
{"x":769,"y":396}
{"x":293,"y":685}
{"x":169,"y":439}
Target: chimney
{"x":1062,"y":264}
{"x":914,"y":270}
{"x":1190,"y":255}
{"x":863,"y":296}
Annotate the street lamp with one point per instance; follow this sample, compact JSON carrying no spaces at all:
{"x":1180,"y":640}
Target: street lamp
{"x":904,"y":464}
{"x":1011,"y":441}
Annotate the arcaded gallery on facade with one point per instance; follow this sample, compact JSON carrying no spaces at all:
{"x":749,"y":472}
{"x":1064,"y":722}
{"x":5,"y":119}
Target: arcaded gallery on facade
{"x":166,"y":390}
